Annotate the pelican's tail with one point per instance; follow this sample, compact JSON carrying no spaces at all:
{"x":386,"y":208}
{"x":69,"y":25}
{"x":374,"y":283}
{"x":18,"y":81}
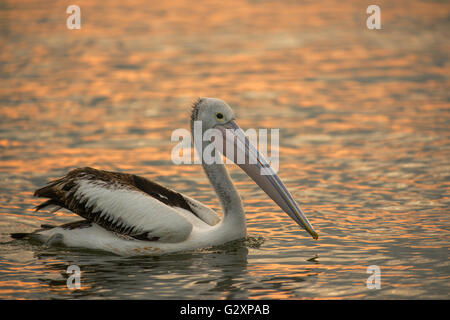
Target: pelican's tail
{"x":28,"y":235}
{"x":20,"y":235}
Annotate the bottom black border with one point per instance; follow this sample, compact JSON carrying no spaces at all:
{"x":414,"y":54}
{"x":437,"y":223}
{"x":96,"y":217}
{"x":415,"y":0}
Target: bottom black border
{"x":219,"y":309}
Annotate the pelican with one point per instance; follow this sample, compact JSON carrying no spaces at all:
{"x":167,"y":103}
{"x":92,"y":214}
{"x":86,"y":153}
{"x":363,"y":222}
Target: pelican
{"x":129,"y":215}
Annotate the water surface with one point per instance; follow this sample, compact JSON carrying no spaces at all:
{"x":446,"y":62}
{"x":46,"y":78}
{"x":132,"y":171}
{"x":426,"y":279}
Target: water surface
{"x":364,"y":141}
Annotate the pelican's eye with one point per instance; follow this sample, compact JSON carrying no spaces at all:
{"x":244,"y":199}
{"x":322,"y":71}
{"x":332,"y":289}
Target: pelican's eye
{"x":219,"y":116}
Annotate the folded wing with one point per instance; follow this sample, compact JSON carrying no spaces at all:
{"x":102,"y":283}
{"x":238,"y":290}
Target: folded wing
{"x":125,"y":204}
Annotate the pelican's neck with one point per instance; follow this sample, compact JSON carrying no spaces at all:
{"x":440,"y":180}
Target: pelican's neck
{"x":233,"y":211}
{"x":230,"y":200}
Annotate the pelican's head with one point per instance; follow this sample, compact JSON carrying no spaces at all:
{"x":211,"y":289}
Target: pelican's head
{"x":211,"y":112}
{"x":216,"y":114}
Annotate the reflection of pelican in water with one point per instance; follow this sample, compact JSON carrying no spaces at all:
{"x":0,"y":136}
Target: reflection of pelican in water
{"x":131,"y":215}
{"x":213,"y":273}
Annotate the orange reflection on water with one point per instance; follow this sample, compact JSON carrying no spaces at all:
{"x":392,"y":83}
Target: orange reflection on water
{"x":363,"y":118}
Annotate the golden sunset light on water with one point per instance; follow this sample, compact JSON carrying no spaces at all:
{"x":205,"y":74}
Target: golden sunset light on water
{"x":363,"y":118}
